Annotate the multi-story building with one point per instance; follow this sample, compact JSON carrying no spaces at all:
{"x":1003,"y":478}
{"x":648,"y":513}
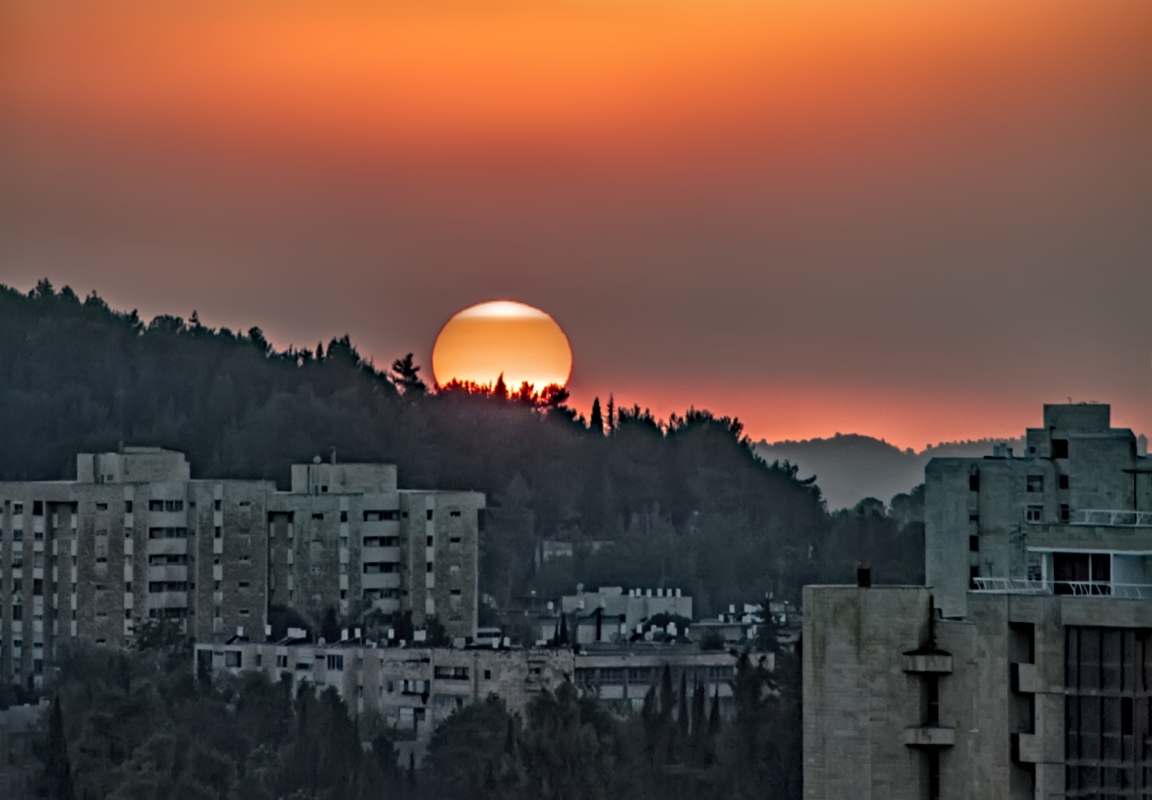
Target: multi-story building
{"x":135,"y":538}
{"x":415,"y":689}
{"x":1024,"y":668}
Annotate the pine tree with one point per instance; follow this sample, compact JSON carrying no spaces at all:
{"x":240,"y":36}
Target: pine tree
{"x":611,"y":414}
{"x":56,"y":781}
{"x":596,"y":423}
{"x":500,"y":390}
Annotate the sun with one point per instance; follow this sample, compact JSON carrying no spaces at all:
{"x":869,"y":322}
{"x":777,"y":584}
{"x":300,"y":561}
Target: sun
{"x":502,"y":337}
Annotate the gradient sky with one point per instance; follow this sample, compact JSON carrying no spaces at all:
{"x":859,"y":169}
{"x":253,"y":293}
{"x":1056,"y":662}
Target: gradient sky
{"x":912,"y":220}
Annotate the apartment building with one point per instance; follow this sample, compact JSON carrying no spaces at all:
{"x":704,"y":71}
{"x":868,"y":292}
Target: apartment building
{"x":1024,"y":668}
{"x":415,"y":689}
{"x":135,"y":538}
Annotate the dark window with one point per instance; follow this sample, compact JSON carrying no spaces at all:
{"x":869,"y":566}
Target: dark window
{"x":17,"y":613}
{"x":317,"y":516}
{"x":430,"y":541}
{"x":1065,"y":513}
{"x":217,"y":504}
{"x":1082,"y":573}
{"x":487,"y":674}
{"x":380,"y":516}
{"x":343,"y":516}
{"x":127,"y":506}
{"x":1034,"y":513}
{"x":38,"y":509}
{"x":429,"y":513}
{"x":973,"y":574}
{"x":37,"y":586}
{"x":232,"y":659}
{"x":155,"y":505}
{"x":973,"y":517}
{"x":1059,"y":448}
{"x":973,"y":483}
{"x":429,"y":567}
{"x":974,"y":544}
{"x":453,"y":513}
{"x":1063,"y":481}
{"x":452,"y":673}
{"x":101,"y":506}
{"x":1036,"y":483}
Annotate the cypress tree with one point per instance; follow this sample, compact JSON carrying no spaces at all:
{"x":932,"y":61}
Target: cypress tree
{"x":57,"y":777}
{"x":596,"y":422}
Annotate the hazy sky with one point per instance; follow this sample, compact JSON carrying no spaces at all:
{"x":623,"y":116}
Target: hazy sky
{"x":913,"y":220}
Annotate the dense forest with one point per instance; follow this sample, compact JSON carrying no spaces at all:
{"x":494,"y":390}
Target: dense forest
{"x":686,"y":502}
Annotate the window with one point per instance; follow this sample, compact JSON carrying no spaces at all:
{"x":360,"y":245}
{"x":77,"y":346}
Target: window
{"x":17,"y":613}
{"x":335,"y":662}
{"x":17,"y":508}
{"x":101,"y":506}
{"x":375,"y":567}
{"x":127,"y":506}
{"x":451,"y":673}
{"x":487,"y":674}
{"x":244,"y":612}
{"x":128,"y":587}
{"x":974,"y":544}
{"x":454,"y":540}
{"x":453,"y":513}
{"x":1063,"y":481}
{"x":343,"y":516}
{"x":217,"y":505}
{"x":1059,"y":448}
{"x":173,"y":505}
{"x":1065,"y":512}
{"x":973,"y":574}
{"x":1036,"y":483}
{"x":430,"y":541}
{"x":232,"y":659}
{"x":282,"y":662}
{"x":324,"y":489}
{"x":155,"y":587}
{"x":37,"y":508}
{"x":243,"y":584}
{"x":429,"y":567}
{"x":155,"y":505}
{"x":380,"y":516}
{"x":218,"y":532}
{"x":1034,"y":513}
{"x":317,"y":516}
{"x":167,"y":533}
{"x":37,"y":586}
{"x":17,"y":535}
{"x":429,"y":513}
{"x":973,"y":517}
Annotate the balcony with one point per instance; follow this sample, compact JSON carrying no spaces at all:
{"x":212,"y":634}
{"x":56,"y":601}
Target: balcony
{"x":1114,"y":518}
{"x":929,"y":736}
{"x":1122,"y":591}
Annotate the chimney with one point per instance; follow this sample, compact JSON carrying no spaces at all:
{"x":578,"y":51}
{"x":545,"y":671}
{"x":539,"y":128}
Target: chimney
{"x":863,"y":576}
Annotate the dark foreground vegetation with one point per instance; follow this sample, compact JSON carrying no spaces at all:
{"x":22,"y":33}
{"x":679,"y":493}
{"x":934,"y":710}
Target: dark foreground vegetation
{"x":687,"y":503}
{"x":141,"y":726}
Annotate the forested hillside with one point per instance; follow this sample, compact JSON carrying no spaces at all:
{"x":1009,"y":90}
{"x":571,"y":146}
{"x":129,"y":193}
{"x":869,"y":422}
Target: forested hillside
{"x":687,"y":502}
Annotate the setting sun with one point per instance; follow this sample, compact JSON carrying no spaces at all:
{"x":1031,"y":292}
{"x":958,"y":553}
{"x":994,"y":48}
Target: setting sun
{"x":502,"y":337}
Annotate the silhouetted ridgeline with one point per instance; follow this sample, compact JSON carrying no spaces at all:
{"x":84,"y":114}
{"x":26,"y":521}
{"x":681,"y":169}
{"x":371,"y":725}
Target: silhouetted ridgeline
{"x":852,"y":467}
{"x":688,"y":503}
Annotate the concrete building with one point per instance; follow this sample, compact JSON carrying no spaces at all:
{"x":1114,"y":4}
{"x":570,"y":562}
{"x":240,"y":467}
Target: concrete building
{"x":135,"y":538}
{"x":416,"y":689}
{"x":1024,"y":669}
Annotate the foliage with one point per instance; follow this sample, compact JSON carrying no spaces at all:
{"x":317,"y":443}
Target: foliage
{"x":686,"y":502}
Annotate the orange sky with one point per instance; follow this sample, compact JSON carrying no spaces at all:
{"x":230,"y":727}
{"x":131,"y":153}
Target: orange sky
{"x":915,"y":220}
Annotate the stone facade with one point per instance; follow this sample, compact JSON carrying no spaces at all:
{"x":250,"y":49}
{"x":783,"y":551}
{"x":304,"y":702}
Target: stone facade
{"x":415,"y":689}
{"x":1024,"y":670}
{"x":135,"y":538}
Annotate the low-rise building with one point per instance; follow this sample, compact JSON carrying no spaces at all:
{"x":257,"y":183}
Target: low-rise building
{"x":416,"y":688}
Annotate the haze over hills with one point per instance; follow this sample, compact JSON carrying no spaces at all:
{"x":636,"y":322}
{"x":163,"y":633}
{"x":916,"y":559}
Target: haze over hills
{"x":851,"y":466}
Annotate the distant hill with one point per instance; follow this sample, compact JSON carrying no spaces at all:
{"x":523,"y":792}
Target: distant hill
{"x":850,"y":467}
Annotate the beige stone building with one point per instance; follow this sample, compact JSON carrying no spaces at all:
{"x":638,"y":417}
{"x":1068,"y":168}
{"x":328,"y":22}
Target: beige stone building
{"x":1024,"y":669}
{"x":135,"y":538}
{"x":416,"y":689}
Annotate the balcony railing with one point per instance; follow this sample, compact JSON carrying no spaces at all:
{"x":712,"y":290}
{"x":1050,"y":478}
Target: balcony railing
{"x":1113,"y":518}
{"x":1124,"y":591}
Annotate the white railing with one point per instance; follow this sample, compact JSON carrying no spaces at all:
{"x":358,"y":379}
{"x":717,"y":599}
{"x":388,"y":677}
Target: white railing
{"x":1124,"y":591}
{"x":1113,"y":518}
